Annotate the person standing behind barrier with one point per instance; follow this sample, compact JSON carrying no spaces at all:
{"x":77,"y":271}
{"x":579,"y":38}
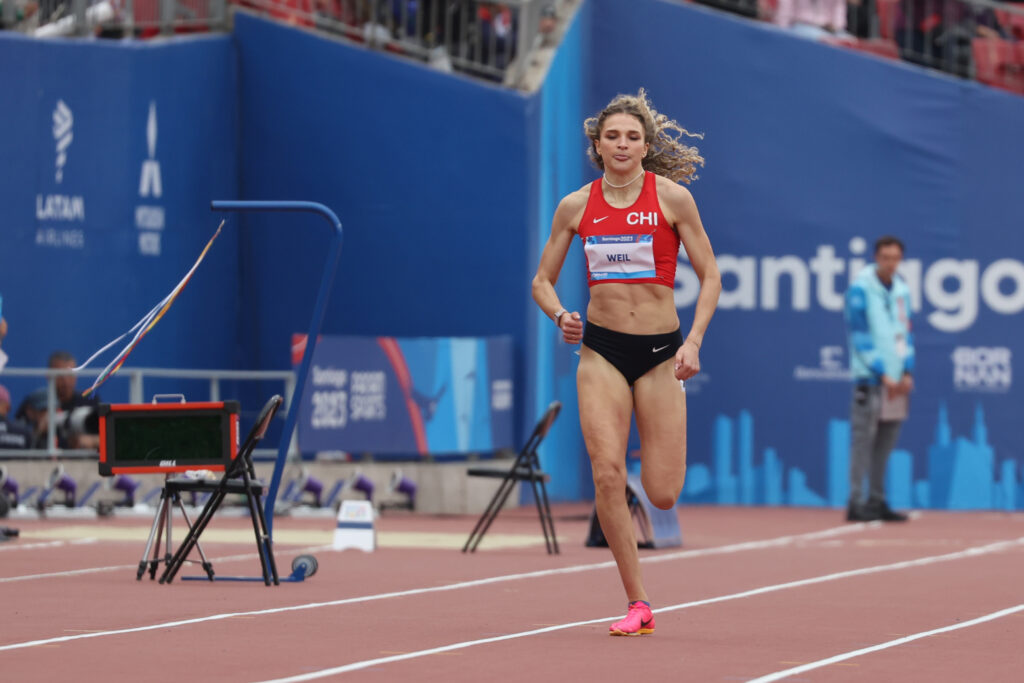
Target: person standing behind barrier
{"x":881,"y":363}
{"x":939,"y":34}
{"x":12,"y":434}
{"x":633,"y":357}
{"x":79,"y":430}
{"x":77,"y":425}
{"x":813,"y":19}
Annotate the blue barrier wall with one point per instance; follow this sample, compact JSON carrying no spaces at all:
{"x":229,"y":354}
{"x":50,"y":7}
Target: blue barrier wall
{"x":110,"y":154}
{"x":428,"y":173}
{"x":814,"y":152}
{"x":446,"y":188}
{"x":562,"y":169}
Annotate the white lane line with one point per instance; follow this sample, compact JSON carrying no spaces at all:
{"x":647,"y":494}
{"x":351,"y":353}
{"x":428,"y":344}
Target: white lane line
{"x":734,"y":548}
{"x":69,"y":572}
{"x":46,"y":544}
{"x":969,"y":552}
{"x":779,"y":675}
{"x":737,"y":547}
{"x":135,"y":567}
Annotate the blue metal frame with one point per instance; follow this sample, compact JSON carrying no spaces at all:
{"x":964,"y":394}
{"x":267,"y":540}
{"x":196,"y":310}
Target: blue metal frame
{"x":297,"y":576}
{"x":330,"y":267}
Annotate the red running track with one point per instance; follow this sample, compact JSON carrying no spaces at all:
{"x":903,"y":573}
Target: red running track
{"x":755,"y":592}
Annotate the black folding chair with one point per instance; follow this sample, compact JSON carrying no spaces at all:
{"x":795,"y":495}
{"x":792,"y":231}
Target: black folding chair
{"x":239,"y":478}
{"x":525,"y":468}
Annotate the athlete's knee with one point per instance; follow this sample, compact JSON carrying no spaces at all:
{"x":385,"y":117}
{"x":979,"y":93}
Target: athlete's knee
{"x":663,"y":494}
{"x":664,"y":499}
{"x":609,"y":478}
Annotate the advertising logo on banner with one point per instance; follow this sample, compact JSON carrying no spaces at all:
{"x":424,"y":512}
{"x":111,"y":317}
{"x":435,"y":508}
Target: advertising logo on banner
{"x":420,"y":396}
{"x":956,"y":290}
{"x":982,"y":369}
{"x":59,"y":214}
{"x":779,"y":430}
{"x":149,"y":218}
{"x":62,"y":124}
{"x":831,"y":366}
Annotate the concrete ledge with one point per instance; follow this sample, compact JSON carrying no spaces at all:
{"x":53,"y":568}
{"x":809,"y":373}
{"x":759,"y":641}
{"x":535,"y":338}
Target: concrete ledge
{"x":441,"y":488}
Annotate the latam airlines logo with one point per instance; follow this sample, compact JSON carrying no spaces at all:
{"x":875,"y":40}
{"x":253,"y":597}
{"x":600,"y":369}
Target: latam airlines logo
{"x":150,"y":219}
{"x":62,"y":133}
{"x":55,"y":208}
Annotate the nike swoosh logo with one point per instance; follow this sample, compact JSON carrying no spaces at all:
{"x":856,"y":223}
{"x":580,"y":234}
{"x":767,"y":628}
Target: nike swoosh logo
{"x":660,"y":348}
{"x":645,"y":624}
{"x":598,"y":220}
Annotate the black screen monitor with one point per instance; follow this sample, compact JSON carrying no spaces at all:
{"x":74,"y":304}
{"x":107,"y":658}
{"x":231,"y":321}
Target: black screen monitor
{"x":167,"y":437}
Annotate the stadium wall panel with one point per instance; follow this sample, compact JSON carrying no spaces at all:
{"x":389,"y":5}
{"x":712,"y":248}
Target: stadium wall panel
{"x":110,"y":155}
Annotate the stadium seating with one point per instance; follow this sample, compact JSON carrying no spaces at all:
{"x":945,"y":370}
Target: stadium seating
{"x":999,"y":63}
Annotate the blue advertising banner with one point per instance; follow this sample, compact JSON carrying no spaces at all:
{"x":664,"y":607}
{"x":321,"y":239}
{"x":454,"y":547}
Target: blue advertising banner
{"x":808,"y":163}
{"x":422,"y":396}
{"x":111,"y":153}
{"x":105,"y":183}
{"x":780,"y":433}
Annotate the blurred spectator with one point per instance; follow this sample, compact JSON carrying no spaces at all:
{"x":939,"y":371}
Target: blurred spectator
{"x":548,"y":23}
{"x":406,"y":15}
{"x":327,"y":13}
{"x":859,"y":15}
{"x":1012,"y":23}
{"x":14,"y":12}
{"x":497,"y":34}
{"x":813,"y":19}
{"x":293,"y":12}
{"x":375,"y":18}
{"x":12,"y":434}
{"x":78,"y":426}
{"x":62,"y":360}
{"x":938,"y":33}
{"x":77,"y":423}
{"x":32,"y":413}
{"x":745,"y":8}
{"x":51,"y":10}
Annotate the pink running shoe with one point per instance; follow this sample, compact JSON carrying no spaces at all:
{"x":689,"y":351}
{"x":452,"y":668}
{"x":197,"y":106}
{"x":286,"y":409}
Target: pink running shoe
{"x":639,"y":620}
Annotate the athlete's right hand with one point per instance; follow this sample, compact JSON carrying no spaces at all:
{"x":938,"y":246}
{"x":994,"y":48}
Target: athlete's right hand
{"x":572,"y":327}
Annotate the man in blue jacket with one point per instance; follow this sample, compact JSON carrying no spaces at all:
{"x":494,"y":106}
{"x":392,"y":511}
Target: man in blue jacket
{"x":881,"y":363}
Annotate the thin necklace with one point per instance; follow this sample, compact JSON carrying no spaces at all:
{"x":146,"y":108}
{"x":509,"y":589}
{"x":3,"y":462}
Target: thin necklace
{"x":618,"y":187}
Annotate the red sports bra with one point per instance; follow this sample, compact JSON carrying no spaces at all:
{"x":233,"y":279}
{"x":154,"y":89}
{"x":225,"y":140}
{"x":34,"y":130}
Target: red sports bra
{"x":635,"y":244}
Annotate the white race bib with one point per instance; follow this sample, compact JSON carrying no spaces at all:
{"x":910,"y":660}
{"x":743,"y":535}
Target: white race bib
{"x":618,"y":257}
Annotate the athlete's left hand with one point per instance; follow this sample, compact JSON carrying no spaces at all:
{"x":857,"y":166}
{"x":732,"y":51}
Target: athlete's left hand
{"x":687,"y":361}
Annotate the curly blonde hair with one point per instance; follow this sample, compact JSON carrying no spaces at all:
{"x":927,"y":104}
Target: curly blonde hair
{"x":667,"y":156}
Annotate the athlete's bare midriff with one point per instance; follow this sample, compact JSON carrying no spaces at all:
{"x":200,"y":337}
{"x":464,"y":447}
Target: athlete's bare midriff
{"x":633,"y":308}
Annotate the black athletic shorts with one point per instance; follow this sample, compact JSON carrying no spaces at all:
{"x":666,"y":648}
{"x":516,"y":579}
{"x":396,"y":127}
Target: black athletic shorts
{"x":632,"y":354}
